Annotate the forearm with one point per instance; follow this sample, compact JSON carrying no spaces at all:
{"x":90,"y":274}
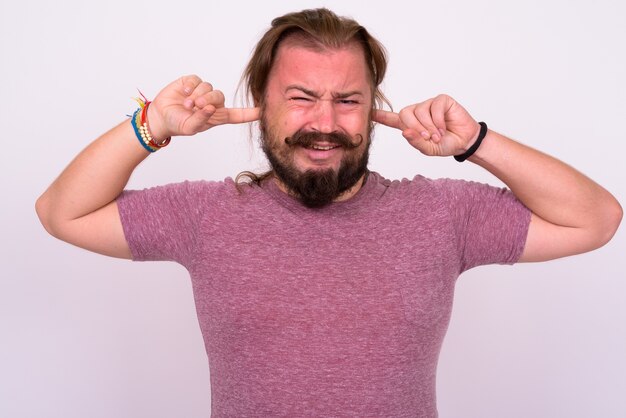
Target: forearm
{"x":552,"y":190}
{"x":93,"y":179}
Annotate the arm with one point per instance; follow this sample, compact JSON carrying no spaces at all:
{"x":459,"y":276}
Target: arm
{"x":79,"y":207}
{"x":571,"y":214}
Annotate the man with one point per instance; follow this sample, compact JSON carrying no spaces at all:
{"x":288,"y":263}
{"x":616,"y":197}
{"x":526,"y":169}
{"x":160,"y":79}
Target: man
{"x":321,"y":288}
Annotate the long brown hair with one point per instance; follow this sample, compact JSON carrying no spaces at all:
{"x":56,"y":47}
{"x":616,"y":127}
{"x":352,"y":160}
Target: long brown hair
{"x":319,"y":29}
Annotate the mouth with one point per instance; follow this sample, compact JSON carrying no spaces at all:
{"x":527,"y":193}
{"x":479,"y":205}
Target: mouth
{"x":321,"y":153}
{"x":322,"y":147}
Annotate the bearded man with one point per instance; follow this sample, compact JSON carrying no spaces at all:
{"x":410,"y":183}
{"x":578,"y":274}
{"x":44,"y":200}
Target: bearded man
{"x":323,"y":289}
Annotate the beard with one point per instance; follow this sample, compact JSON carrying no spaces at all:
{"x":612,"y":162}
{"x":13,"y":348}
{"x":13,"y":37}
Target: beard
{"x":316,"y":188}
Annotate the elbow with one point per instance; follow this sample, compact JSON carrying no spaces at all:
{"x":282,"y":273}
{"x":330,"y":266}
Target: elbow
{"x":610,"y":222}
{"x":616,"y":218}
{"x":42,"y":208}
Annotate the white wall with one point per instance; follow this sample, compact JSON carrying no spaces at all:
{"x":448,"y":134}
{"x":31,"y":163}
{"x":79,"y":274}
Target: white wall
{"x":83,"y":335}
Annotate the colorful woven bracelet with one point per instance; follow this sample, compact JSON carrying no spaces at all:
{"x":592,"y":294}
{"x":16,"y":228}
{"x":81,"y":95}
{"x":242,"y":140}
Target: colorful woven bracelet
{"x":136,"y":122}
{"x":142,"y":129}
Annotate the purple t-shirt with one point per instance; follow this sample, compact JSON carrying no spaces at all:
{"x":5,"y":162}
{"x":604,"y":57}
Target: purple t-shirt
{"x":339,"y":311}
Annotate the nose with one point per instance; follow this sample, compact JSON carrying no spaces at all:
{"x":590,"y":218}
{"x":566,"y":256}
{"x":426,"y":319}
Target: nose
{"x":324,"y":117}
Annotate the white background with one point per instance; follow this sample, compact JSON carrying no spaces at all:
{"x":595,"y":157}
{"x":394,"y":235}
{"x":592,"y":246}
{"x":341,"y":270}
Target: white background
{"x":83,"y":335}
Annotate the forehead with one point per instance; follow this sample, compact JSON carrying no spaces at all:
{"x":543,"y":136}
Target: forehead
{"x":320,"y":69}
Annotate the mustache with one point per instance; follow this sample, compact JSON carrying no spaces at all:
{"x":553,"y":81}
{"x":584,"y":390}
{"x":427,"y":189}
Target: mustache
{"x":307,"y":139}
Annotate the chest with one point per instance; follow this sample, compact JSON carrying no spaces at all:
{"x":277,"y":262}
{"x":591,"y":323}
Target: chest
{"x":293,"y":279}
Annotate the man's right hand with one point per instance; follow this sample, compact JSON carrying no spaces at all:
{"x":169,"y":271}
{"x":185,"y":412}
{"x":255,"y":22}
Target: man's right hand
{"x":189,"y":105}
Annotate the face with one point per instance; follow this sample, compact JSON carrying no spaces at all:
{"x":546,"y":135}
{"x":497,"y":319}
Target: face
{"x":316,"y":122}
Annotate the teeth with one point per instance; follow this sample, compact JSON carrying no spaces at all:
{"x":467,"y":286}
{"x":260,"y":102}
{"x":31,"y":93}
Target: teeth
{"x":322,"y":148}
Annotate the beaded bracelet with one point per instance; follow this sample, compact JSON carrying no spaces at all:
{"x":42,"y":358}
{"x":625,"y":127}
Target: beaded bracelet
{"x":142,"y":129}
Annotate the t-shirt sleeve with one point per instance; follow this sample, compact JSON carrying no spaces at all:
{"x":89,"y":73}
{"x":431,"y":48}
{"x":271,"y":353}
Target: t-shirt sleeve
{"x":490,"y":223}
{"x":161,"y":223}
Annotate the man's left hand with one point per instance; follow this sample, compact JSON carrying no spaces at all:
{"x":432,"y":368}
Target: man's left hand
{"x":437,"y":127}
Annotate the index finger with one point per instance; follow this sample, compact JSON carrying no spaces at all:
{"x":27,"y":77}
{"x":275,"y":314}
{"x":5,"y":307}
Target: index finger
{"x":387,"y":118}
{"x":243,"y":115}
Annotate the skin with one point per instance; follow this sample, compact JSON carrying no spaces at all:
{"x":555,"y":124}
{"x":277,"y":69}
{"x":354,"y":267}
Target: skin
{"x":571,"y":213}
{"x":335,"y":97}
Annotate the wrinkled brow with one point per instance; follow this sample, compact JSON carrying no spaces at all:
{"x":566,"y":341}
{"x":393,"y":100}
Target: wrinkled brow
{"x":336,"y":95}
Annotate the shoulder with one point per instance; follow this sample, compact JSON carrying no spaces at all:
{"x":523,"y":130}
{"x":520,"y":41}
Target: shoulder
{"x":446,"y":188}
{"x":187,"y":196}
{"x":441,"y":195}
{"x":190,"y":188}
